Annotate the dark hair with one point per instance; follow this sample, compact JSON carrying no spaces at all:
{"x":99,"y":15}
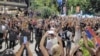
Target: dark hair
{"x":98,"y":50}
{"x":79,"y":50}
{"x":97,"y":33}
{"x":8,"y":52}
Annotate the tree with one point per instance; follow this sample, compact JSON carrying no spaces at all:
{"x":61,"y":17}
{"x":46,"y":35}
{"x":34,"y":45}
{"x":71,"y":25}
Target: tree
{"x":40,"y":5}
{"x":84,"y":4}
{"x":95,"y":5}
{"x":88,"y":6}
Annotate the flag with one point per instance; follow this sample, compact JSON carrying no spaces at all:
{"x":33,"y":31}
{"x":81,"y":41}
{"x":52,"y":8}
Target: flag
{"x":92,"y":32}
{"x":88,"y":34}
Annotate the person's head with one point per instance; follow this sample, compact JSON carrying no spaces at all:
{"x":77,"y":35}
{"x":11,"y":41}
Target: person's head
{"x":56,"y":50}
{"x":51,"y":34}
{"x":98,"y":51}
{"x":8,"y":52}
{"x":52,"y":23}
{"x":78,"y":53}
{"x":15,"y":28}
{"x":24,"y":25}
{"x":98,"y":34}
{"x":39,"y":25}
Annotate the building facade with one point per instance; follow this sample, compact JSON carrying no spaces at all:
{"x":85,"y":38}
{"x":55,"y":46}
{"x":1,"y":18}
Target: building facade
{"x":9,"y":6}
{"x":15,"y":3}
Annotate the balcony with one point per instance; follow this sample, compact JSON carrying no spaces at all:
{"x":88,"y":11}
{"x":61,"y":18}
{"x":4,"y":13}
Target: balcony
{"x":18,"y":3}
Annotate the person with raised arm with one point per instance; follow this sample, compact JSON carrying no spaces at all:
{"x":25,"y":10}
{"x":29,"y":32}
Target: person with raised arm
{"x":9,"y":52}
{"x":92,"y":51}
{"x":54,"y":44}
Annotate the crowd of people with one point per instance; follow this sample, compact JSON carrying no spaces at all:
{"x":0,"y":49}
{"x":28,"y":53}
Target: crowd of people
{"x":55,"y":36}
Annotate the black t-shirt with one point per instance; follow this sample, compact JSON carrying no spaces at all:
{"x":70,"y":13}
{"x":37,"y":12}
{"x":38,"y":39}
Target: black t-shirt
{"x":30,"y":26}
{"x":38,"y":32}
{"x":24,"y":33}
{"x":12,"y":34}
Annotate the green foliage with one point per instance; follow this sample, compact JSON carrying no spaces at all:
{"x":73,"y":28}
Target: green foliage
{"x":36,"y":3}
{"x":45,"y":7}
{"x":95,"y":4}
{"x":46,"y":12}
{"x":84,"y":4}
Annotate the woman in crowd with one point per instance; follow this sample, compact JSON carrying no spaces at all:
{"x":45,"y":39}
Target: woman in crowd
{"x":53,"y":40}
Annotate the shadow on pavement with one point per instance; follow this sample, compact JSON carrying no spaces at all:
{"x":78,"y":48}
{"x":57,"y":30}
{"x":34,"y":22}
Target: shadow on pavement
{"x":39,"y":53}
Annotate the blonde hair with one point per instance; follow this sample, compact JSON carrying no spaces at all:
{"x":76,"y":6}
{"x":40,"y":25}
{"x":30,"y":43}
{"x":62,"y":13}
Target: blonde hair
{"x":56,"y":50}
{"x":24,"y":24}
